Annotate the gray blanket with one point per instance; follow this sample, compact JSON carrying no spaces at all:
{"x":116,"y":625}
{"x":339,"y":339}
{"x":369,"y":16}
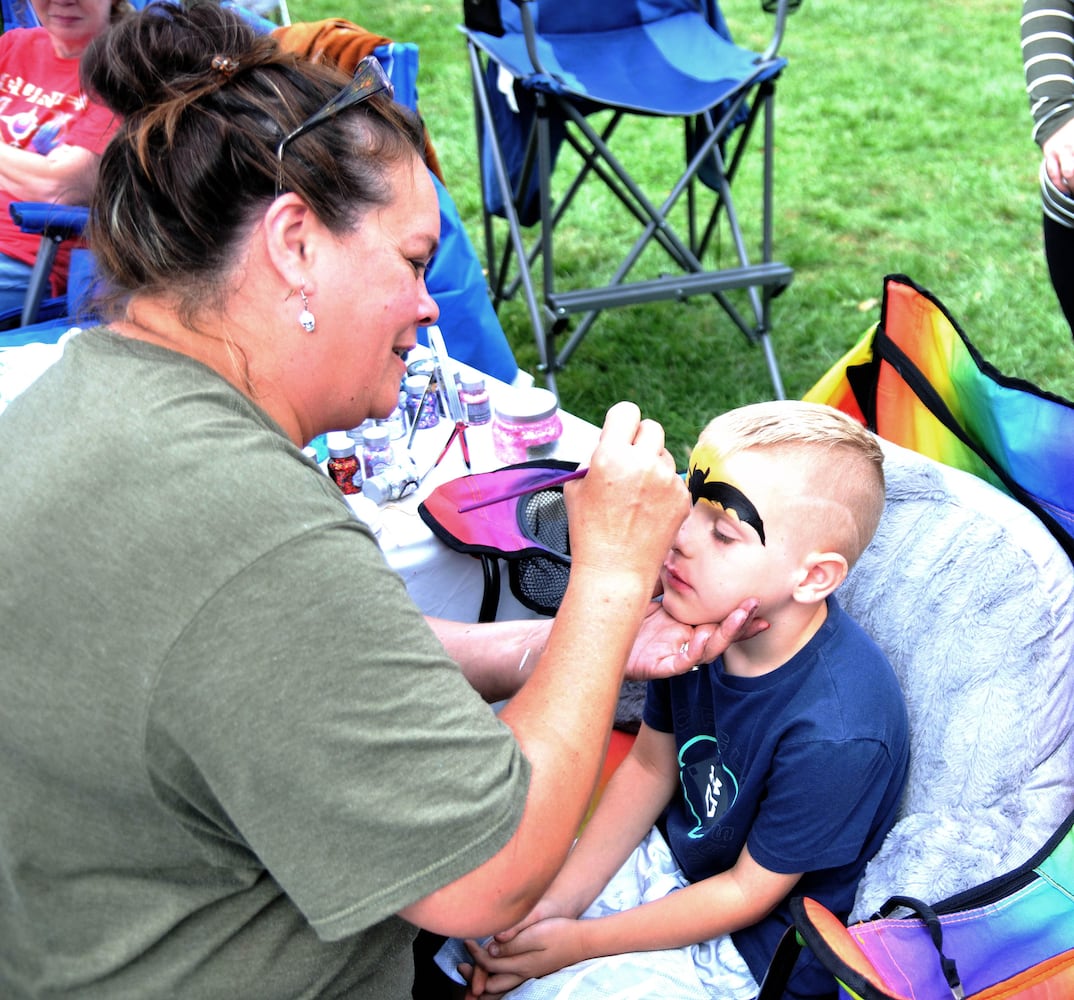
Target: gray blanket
{"x":971,"y":599}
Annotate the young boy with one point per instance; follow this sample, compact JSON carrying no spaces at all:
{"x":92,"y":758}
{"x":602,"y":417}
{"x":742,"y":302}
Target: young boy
{"x":774,"y":771}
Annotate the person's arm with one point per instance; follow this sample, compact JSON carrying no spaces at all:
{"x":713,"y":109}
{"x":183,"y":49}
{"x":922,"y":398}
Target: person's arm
{"x":1047,"y":37}
{"x":721,"y":904}
{"x":633,"y":800}
{"x":65,"y":176}
{"x":622,"y":516}
{"x":497,"y":657}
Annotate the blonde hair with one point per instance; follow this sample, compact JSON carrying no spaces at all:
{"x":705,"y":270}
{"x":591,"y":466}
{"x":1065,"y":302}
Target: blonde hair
{"x":840,"y":462}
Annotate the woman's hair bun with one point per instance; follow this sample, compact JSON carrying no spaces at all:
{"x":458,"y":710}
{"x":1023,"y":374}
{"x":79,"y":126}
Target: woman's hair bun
{"x":168,"y":51}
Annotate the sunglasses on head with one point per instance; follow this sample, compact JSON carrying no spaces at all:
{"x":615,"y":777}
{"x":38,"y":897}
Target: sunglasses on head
{"x":369,"y":79}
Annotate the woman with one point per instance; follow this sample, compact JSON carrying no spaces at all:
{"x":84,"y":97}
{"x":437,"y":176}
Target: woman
{"x":235,"y":759}
{"x":52,"y":133}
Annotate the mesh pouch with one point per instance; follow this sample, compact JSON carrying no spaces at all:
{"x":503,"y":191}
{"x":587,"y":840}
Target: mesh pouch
{"x":528,"y":531}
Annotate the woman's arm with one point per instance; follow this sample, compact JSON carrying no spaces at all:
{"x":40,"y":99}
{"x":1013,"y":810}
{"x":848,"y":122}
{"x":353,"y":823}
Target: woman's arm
{"x":622,"y":516}
{"x":65,"y":176}
{"x":636,"y":795}
{"x":498,"y":657}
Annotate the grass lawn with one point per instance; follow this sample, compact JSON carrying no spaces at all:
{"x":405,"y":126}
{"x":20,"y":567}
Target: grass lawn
{"x":902,"y":146}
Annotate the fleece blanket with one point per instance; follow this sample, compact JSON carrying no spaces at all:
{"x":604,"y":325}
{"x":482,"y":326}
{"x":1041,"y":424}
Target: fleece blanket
{"x":971,"y":599}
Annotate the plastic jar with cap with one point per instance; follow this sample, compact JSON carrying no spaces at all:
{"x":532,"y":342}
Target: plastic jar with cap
{"x":475,"y":400}
{"x":525,"y":425}
{"x":377,"y":454}
{"x":343,"y":462}
{"x":421,"y":406}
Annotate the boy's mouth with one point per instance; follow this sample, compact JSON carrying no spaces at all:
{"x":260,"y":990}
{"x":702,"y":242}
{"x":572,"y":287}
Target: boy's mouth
{"x":673,"y":580}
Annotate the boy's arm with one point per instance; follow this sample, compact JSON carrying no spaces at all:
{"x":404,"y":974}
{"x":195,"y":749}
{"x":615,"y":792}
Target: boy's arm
{"x":723,"y":903}
{"x":633,"y":799}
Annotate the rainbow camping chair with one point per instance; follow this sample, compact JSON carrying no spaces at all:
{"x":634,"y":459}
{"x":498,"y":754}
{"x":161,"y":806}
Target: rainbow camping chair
{"x":916,"y":379}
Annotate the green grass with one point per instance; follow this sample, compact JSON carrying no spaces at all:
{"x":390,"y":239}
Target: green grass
{"x":902,"y":146}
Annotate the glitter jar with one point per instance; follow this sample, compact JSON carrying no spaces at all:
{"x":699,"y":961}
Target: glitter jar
{"x":343,"y":462}
{"x":475,"y":400}
{"x":415,"y":390}
{"x":376,"y":450}
{"x":525,"y":425}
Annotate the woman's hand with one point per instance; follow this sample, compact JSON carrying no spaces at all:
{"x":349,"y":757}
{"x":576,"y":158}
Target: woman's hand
{"x":540,"y":949}
{"x":665,"y":646}
{"x":625,"y":512}
{"x":1058,"y":152}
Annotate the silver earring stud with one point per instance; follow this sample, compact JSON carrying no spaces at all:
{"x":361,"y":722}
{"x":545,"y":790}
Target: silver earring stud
{"x":305,"y":318}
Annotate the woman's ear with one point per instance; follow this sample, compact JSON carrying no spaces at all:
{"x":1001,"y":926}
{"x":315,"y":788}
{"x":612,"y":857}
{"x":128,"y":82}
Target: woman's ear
{"x":291,"y":231}
{"x":822,"y":572}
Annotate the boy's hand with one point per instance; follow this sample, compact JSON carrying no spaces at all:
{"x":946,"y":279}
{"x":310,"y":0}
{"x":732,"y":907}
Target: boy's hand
{"x":665,"y":646}
{"x":542,"y":948}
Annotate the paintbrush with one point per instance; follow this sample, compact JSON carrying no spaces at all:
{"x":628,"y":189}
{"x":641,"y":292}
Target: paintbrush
{"x":546,"y":484}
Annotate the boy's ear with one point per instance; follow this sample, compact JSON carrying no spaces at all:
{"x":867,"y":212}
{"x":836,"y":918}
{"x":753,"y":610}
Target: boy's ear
{"x":822,"y":572}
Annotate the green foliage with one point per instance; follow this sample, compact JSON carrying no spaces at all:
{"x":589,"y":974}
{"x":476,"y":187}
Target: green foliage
{"x":902,"y":146}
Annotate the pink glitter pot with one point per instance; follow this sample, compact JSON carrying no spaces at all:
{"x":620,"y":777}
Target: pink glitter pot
{"x":525,"y":425}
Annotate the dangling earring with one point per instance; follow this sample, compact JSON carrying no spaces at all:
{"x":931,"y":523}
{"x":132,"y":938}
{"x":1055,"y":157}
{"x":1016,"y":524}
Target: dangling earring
{"x":305,"y":318}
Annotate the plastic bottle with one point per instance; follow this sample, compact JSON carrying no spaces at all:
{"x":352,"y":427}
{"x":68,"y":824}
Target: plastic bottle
{"x":343,"y":462}
{"x":475,"y":401}
{"x":377,"y":452}
{"x":430,"y":409}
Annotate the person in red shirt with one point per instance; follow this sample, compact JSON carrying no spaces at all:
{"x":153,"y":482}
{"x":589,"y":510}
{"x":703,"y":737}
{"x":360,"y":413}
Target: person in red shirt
{"x":51,"y":132}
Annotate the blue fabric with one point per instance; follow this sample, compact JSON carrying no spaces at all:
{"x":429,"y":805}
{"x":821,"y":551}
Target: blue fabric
{"x":14,"y":277}
{"x":674,"y":64}
{"x":804,"y":764}
{"x":472,"y":331}
{"x":512,"y":129}
{"x":663,"y":57}
{"x":400,"y":62}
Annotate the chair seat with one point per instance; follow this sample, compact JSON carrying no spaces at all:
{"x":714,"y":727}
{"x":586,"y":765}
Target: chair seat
{"x":677,"y":66}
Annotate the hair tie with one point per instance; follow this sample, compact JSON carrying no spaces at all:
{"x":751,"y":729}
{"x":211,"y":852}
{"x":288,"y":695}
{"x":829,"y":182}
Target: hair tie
{"x":225,"y":66}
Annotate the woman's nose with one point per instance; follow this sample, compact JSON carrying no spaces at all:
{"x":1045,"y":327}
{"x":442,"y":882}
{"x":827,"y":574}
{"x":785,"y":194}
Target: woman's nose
{"x":429,"y":308}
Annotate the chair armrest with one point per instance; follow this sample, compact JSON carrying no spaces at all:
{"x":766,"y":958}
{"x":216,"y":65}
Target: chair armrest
{"x":782,"y":10}
{"x":57,"y":222}
{"x":54,"y":224}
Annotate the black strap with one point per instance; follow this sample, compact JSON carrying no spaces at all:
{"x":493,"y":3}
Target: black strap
{"x":779,"y":969}
{"x":887,"y":350}
{"x":932,"y":922}
{"x":490,"y":597}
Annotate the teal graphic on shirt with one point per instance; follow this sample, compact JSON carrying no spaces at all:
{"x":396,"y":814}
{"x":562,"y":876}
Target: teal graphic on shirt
{"x":708,"y":786}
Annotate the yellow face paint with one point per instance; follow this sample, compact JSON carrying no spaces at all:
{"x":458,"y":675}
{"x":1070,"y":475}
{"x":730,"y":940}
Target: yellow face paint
{"x":707,"y":481}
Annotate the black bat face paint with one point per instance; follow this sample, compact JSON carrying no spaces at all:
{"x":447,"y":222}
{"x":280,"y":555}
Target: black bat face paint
{"x":703,"y":485}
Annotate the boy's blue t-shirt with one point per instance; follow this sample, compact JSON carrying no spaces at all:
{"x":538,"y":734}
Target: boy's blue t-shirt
{"x":805,"y":765}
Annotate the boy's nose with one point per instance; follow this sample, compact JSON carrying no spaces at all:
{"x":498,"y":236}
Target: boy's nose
{"x":684,"y":537}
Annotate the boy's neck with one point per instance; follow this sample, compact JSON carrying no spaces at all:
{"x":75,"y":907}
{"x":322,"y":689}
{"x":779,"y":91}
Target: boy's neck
{"x":787,"y":633}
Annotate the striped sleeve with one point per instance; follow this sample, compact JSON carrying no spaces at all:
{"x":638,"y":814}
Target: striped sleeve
{"x":1048,"y":58}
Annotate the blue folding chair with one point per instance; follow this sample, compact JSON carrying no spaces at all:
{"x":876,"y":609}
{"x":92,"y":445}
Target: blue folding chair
{"x":541,"y":70}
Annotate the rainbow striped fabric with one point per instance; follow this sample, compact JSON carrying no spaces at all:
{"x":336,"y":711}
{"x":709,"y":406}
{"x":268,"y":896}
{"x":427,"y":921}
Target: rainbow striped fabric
{"x":915,"y":379}
{"x":1006,"y":939}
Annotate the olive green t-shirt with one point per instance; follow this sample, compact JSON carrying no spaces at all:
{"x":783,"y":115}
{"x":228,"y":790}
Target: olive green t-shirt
{"x":230,"y":747}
